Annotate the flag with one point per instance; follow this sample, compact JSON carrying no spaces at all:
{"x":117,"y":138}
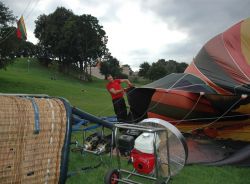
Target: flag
{"x":21,"y":29}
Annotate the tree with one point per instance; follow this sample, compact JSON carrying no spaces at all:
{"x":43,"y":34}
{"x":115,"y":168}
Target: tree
{"x":26,"y":49}
{"x":181,"y":67}
{"x":126,"y":69}
{"x":110,"y":66}
{"x":88,"y":40}
{"x":6,"y":16}
{"x":73,"y":39}
{"x":161,"y":68}
{"x":43,"y":55}
{"x":8,"y":40}
{"x":144,"y":68}
{"x":157,"y":71}
{"x":50,"y":32}
{"x":7,"y":47}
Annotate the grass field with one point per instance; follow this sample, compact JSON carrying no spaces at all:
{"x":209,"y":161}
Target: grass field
{"x":93,"y":98}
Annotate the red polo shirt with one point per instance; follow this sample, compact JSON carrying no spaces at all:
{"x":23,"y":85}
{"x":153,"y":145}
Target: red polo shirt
{"x":116,"y":85}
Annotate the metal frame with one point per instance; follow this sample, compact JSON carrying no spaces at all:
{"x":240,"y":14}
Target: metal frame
{"x":83,"y":118}
{"x":111,"y":119}
{"x":156,"y":176}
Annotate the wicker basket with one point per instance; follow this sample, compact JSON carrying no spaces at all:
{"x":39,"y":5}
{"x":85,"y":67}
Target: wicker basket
{"x":32,"y":139}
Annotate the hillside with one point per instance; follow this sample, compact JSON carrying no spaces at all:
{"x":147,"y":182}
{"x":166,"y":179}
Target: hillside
{"x":32,"y":78}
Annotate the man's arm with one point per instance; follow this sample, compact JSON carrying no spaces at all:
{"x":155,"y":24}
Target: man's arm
{"x":113,"y":91}
{"x":126,"y":81}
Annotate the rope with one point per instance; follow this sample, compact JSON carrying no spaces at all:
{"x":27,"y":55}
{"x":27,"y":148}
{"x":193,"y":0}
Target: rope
{"x":181,"y":87}
{"x":32,"y":9}
{"x":197,"y":119}
{"x":207,"y":125}
{"x":161,"y":98}
{"x":236,"y":64}
{"x":194,"y":106}
{"x":26,"y":7}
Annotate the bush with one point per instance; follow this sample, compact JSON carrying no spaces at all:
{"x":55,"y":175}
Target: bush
{"x":122,"y":76}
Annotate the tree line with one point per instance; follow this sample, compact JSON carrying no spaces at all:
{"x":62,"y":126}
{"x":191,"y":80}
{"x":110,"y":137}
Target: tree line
{"x":160,"y":69}
{"x":10,"y":46}
{"x":70,"y":41}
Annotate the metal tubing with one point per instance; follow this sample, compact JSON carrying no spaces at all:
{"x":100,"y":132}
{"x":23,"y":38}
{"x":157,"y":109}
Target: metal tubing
{"x":91,"y":118}
{"x":93,"y":152}
{"x":117,"y":151}
{"x":67,"y":140}
{"x":77,"y":119}
{"x":156,"y":156}
{"x":26,"y":95}
{"x":139,"y":127}
{"x":168,"y":155}
{"x":137,"y":174}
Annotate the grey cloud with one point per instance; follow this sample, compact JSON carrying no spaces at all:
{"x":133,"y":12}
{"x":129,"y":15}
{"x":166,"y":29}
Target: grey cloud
{"x":179,"y":52}
{"x":111,"y":12}
{"x":197,"y":15}
{"x":201,"y":19}
{"x":139,"y":52}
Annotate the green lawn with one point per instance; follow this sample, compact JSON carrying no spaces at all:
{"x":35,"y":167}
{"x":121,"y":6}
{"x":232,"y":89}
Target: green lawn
{"x":18,"y":78}
{"x":93,"y":98}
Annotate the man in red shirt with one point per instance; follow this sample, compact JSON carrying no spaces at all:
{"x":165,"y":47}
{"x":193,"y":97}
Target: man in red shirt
{"x":117,"y":92}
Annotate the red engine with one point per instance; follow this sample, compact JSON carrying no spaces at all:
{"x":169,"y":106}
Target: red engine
{"x":143,"y":163}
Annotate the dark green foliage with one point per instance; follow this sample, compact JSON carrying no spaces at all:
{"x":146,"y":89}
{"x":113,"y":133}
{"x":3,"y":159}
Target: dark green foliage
{"x":49,"y":30}
{"x":6,"y":16}
{"x":175,"y":67}
{"x":10,"y":45}
{"x":7,"y":36}
{"x":122,"y":76}
{"x":144,"y":68}
{"x":156,"y":71}
{"x":26,"y":49}
{"x":70,"y":39}
{"x":181,"y":67}
{"x":43,"y":55}
{"x":160,"y":69}
{"x":110,"y":66}
{"x":129,"y":68}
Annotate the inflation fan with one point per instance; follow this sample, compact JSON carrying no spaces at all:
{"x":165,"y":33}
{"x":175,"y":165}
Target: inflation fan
{"x":157,"y":152}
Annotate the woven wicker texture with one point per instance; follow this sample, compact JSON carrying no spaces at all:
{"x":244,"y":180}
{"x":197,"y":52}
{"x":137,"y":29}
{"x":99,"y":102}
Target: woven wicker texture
{"x":26,"y":156}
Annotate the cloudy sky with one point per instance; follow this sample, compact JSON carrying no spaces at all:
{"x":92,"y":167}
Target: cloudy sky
{"x":146,"y":30}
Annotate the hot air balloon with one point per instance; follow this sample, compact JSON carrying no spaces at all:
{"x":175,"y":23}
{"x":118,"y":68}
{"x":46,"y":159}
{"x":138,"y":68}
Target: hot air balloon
{"x":210,"y":102}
